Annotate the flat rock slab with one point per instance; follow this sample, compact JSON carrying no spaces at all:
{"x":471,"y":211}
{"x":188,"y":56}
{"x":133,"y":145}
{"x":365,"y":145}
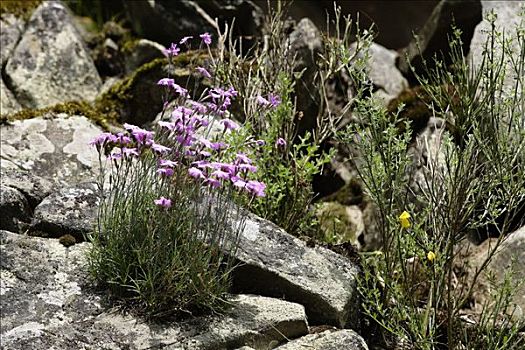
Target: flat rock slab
{"x":345,"y":339}
{"x":54,"y":147}
{"x":47,"y":303}
{"x":50,"y":64}
{"x":71,"y":210}
{"x":274,"y":263}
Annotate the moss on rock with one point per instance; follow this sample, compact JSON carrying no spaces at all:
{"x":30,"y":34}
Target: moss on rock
{"x":19,"y":8}
{"x":416,"y":110}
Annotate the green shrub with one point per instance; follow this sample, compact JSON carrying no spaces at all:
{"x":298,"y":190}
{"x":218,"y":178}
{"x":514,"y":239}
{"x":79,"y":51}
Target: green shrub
{"x":411,"y":293}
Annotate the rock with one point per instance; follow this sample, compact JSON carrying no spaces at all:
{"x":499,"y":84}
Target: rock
{"x":71,"y":210}
{"x":12,"y":28}
{"x":340,"y":223}
{"x":143,"y":51}
{"x":48,"y":303}
{"x":508,"y":20}
{"x":274,"y":263}
{"x":345,"y":339}
{"x":14,"y":210}
{"x":165,"y":21}
{"x":383,"y":71}
{"x":8,"y":102}
{"x":428,"y":159}
{"x":306,"y":44}
{"x":50,"y":63}
{"x":433,"y":38}
{"x":372,"y":238}
{"x":56,"y":149}
{"x":32,"y":186}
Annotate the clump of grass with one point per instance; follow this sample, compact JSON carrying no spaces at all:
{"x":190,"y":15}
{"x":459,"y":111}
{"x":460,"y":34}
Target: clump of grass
{"x":167,"y":226}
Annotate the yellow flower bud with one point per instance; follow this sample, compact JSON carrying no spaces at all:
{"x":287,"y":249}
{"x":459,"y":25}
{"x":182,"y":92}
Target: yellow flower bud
{"x":431,"y":256}
{"x":404,"y":219}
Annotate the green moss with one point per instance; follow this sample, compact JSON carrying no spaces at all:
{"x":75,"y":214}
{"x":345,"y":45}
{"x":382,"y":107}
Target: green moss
{"x":67,"y":240}
{"x":72,"y":108}
{"x":19,"y":8}
{"x":335,"y":223}
{"x":350,"y":194}
{"x":416,"y":108}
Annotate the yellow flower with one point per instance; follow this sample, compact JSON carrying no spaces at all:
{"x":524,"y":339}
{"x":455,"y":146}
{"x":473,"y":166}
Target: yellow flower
{"x":431,"y":256}
{"x":404,"y":219}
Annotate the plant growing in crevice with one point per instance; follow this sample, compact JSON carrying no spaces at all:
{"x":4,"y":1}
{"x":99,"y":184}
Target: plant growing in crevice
{"x":472,"y":179}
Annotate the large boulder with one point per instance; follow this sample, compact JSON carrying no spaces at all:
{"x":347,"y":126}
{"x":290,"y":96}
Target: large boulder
{"x":12,"y":28}
{"x":71,"y":210}
{"x":345,"y":339}
{"x":50,"y":63}
{"x":509,"y":21}
{"x":14,"y":209}
{"x":274,"y":263}
{"x":433,"y":38}
{"x":8,"y":102}
{"x":54,"y":146}
{"x":32,"y":186}
{"x":48,"y":302}
{"x":167,"y":21}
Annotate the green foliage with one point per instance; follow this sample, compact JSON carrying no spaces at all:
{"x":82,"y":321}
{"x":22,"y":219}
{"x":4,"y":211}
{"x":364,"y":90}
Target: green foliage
{"x":473,"y":179}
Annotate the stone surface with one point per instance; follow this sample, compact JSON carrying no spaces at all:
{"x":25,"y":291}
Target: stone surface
{"x":383,"y":71}
{"x":345,"y":339}
{"x":433,"y":37}
{"x":8,"y":102}
{"x":55,"y":147}
{"x":71,"y":210}
{"x":14,"y":210}
{"x":340,"y":223}
{"x":306,"y":44}
{"x":50,"y":63}
{"x":11,"y":28}
{"x":48,"y":303}
{"x":32,"y":186}
{"x":274,"y":263}
{"x":166,"y":21}
{"x":143,"y":51}
{"x":508,"y":20}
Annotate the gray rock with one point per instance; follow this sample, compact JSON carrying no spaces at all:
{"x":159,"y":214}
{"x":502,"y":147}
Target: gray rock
{"x":56,"y":149}
{"x":433,"y":38}
{"x":143,"y":51}
{"x":508,"y":20}
{"x":33,"y":187}
{"x":50,"y":63}
{"x":11,"y":28}
{"x":48,"y":303}
{"x":14,"y":210}
{"x":345,"y":339}
{"x":8,"y":102}
{"x":306,"y":43}
{"x":383,"y":71}
{"x":384,"y":74}
{"x":274,"y":263}
{"x":71,"y":210}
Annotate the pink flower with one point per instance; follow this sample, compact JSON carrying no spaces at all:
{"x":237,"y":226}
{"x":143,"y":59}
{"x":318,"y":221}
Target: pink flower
{"x":238,"y":182}
{"x":255,"y":187}
{"x":229,"y":124}
{"x":247,"y":167}
{"x":172,"y":51}
{"x":163,"y":202}
{"x":206,"y":38}
{"x":102,"y":139}
{"x":274,"y":100}
{"x":260,"y":142}
{"x":130,"y":152}
{"x":241,"y":157}
{"x":168,"y":163}
{"x":166,"y":82}
{"x":203,"y":72}
{"x":280,"y":142}
{"x":167,"y":125}
{"x":186,"y":38}
{"x":202,"y":164}
{"x":213,"y":182}
{"x":219,"y":174}
{"x":160,"y":149}
{"x":196,"y":173}
{"x":262,"y":101}
{"x":165,"y":171}
{"x":216,"y":146}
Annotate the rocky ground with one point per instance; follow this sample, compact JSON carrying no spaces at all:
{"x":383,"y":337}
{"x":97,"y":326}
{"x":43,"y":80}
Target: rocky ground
{"x":288,"y":294}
